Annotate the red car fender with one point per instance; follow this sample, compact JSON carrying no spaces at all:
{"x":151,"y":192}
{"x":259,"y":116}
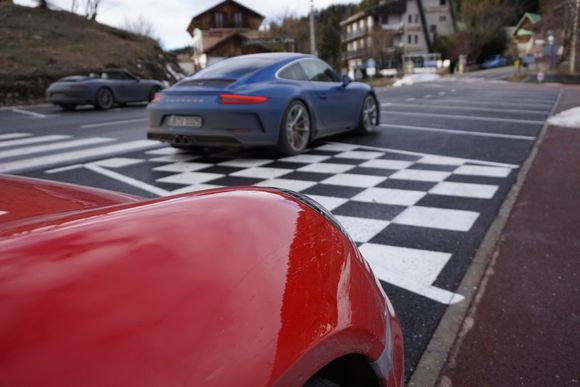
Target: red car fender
{"x":225,"y":287}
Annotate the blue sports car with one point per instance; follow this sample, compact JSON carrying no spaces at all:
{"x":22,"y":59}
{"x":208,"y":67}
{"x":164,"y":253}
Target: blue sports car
{"x":280,"y":99}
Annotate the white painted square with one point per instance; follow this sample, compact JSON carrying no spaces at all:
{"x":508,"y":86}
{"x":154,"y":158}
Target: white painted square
{"x":328,"y":202}
{"x":164,"y":151}
{"x":420,"y":175}
{"x":244,"y":163}
{"x":474,"y":170}
{"x":174,"y":158}
{"x":400,"y":197}
{"x":190,"y":178}
{"x":326,"y":168}
{"x":466,"y":190}
{"x":193,"y":188}
{"x":441,"y":218}
{"x":441,"y":160}
{"x":117,"y":162}
{"x":411,"y":269}
{"x":306,"y":159}
{"x":352,"y":180}
{"x":359,"y":155}
{"x":337,"y":147}
{"x":294,"y":185}
{"x":262,"y":172}
{"x":183,"y":166}
{"x":387,"y":164}
{"x":362,"y":229}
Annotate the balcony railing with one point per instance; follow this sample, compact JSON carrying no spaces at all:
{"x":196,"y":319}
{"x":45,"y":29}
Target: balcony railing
{"x":355,"y":34}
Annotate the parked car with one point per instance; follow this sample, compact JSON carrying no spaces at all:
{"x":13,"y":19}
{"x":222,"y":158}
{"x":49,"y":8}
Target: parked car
{"x":227,"y":287}
{"x":494,"y":61}
{"x":275,"y":99}
{"x":103,"y":90}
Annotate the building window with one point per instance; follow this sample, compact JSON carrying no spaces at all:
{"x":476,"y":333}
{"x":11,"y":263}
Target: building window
{"x":433,"y":29}
{"x":442,"y":18}
{"x":416,"y":39}
{"x":219,"y":19}
{"x":442,"y":2}
{"x":410,"y":19}
{"x":409,"y":39}
{"x":238,"y":19}
{"x":417,"y":18}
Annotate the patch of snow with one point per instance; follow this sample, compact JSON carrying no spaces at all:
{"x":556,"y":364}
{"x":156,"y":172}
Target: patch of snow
{"x":416,"y":78}
{"x":173,"y":73}
{"x":568,"y":118}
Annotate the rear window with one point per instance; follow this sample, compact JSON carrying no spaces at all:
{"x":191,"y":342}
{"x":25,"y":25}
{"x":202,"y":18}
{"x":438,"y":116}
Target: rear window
{"x":234,"y":68}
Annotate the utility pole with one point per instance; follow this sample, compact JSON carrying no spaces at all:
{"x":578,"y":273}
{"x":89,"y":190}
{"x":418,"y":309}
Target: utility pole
{"x":574,"y":38}
{"x":312,"y":37}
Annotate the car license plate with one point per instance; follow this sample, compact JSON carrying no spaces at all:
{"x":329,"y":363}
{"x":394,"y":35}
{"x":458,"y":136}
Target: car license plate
{"x":189,"y":121}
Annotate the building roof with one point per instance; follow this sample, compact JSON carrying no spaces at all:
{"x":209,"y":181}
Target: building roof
{"x":249,"y":10}
{"x":392,"y":7}
{"x":532,"y":17}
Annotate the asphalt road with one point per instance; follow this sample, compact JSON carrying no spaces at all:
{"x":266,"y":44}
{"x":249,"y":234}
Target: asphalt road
{"x":417,"y":196}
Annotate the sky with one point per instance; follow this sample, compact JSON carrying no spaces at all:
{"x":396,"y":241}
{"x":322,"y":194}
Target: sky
{"x":170,"y":18}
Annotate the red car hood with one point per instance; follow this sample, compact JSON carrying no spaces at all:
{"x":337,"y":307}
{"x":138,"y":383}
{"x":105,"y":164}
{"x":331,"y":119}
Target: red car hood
{"x":24,"y":199}
{"x":225,"y":287}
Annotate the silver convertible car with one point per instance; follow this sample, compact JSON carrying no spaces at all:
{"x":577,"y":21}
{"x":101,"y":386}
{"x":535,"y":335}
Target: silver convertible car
{"x":103,"y":90}
{"x":275,"y":99}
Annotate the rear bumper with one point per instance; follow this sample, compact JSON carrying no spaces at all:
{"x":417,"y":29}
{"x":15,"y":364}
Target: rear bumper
{"x":221,"y":125}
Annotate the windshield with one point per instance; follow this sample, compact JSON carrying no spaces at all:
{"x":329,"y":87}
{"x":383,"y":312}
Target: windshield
{"x":234,"y":67}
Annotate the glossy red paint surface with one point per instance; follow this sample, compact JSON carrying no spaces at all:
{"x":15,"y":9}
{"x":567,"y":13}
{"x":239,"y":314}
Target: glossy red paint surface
{"x":226,"y":287}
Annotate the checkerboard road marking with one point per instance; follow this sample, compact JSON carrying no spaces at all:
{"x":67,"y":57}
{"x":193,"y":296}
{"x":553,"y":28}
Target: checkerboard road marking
{"x":372,"y":191}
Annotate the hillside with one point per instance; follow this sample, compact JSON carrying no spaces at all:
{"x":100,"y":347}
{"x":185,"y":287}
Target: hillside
{"x":39,"y":46}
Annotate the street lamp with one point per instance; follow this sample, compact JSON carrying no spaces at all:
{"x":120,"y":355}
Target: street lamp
{"x":312,"y":37}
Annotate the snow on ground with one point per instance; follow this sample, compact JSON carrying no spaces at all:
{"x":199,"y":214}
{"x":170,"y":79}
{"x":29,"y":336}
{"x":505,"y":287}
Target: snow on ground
{"x":568,"y":118}
{"x":416,"y":78}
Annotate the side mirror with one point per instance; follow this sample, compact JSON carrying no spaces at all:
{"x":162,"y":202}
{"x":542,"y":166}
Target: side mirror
{"x":346,"y":80}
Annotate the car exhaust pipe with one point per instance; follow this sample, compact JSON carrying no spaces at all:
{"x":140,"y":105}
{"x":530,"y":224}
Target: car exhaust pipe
{"x":186,"y":140}
{"x":177,"y":140}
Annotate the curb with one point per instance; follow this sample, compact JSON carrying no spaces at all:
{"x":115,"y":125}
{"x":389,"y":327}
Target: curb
{"x":454,"y":324}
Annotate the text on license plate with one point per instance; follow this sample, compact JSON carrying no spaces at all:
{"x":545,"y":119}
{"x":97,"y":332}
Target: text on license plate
{"x":190,"y":121}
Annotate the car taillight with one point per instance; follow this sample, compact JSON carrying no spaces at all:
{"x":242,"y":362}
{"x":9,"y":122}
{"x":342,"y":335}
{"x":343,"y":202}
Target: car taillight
{"x":157,"y":97}
{"x":238,"y":99}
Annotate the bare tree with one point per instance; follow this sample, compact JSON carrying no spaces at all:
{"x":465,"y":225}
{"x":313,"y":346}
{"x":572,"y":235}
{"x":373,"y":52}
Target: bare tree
{"x":91,"y":8}
{"x":140,"y":26}
{"x":558,"y":19}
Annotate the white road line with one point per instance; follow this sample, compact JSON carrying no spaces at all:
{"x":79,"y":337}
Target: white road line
{"x":412,"y":153}
{"x":499,"y":101}
{"x":471,"y":118}
{"x":483,"y":109}
{"x":51,"y":147}
{"x":9,"y":136}
{"x":63,"y":169}
{"x":45,"y":161}
{"x":127,"y":180}
{"x":460,"y":132}
{"x":34,"y":140}
{"x":113,"y":123}
{"x":28,"y":113}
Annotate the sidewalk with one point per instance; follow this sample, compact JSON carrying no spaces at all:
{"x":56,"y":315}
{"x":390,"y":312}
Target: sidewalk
{"x":523,"y":328}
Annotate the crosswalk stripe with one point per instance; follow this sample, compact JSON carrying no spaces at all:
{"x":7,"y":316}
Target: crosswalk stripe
{"x":34,"y":140}
{"x":9,"y":136}
{"x":45,"y":161}
{"x":54,"y":146}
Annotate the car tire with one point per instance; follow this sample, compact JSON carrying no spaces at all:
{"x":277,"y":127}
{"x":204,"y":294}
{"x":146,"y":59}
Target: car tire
{"x":67,"y":107}
{"x":154,"y":90}
{"x":295,"y":129}
{"x":369,"y":115}
{"x":320,"y":382}
{"x":104,"y":99}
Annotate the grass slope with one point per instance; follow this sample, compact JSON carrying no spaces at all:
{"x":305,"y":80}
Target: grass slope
{"x":38,"y":46}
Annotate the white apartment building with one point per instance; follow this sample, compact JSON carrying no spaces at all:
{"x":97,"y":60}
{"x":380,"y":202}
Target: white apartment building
{"x":413,"y":24}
